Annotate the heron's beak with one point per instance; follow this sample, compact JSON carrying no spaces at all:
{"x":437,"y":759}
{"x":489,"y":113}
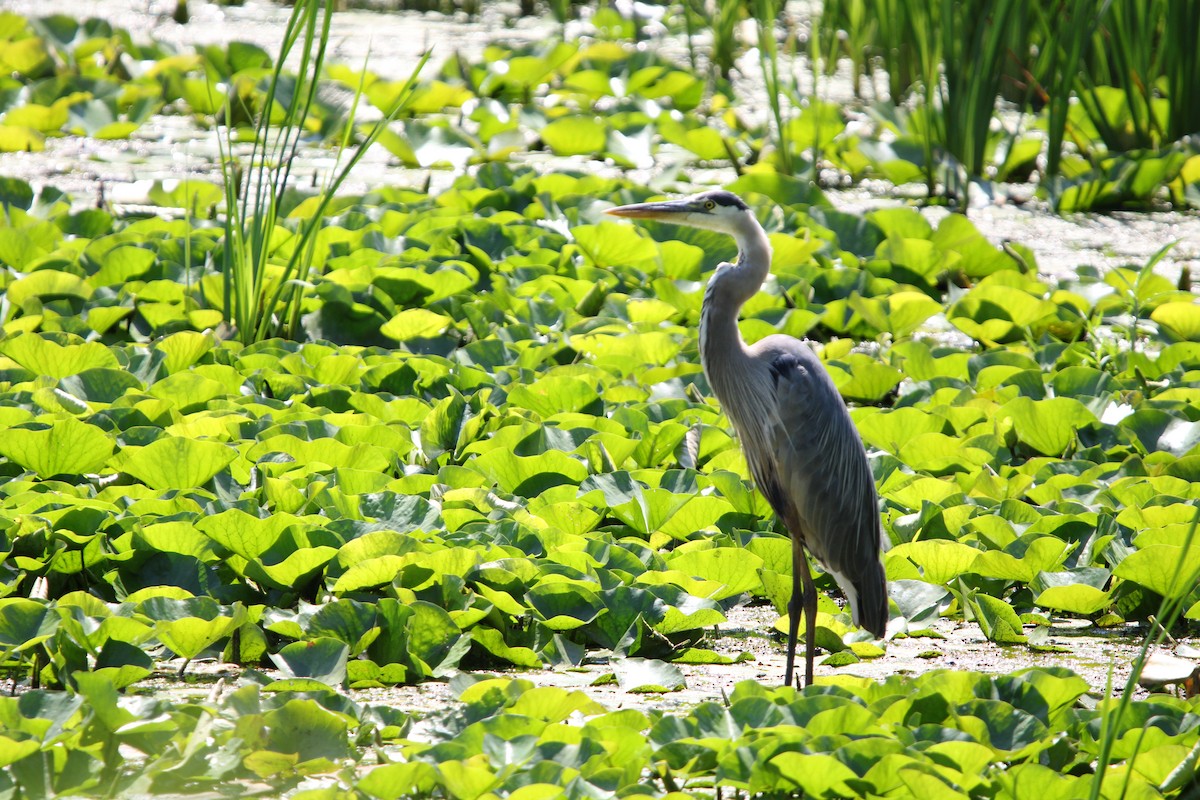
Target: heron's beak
{"x":667,"y":210}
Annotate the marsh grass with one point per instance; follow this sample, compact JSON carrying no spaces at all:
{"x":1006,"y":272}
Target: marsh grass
{"x":873,"y":34}
{"x":766,"y":12}
{"x":1054,"y":72}
{"x":1181,"y":60}
{"x":1126,"y":57}
{"x":262,"y":291}
{"x":977,"y":48}
{"x":1131,"y":66}
{"x":845,"y":29}
{"x":722,"y":22}
{"x":923,"y":30}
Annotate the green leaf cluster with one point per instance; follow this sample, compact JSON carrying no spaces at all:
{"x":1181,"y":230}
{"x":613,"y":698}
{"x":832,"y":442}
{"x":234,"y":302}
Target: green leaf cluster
{"x":944,"y":734}
{"x":95,"y":742}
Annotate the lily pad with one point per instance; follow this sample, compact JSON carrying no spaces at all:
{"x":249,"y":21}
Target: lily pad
{"x":66,"y":446}
{"x":647,"y":675}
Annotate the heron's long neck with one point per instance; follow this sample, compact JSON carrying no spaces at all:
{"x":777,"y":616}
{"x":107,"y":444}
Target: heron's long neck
{"x":722,"y":350}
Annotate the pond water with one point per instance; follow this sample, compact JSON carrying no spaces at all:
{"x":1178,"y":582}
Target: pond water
{"x":1099,"y":656}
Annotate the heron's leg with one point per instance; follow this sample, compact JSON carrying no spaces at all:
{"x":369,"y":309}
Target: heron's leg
{"x":810,"y":620}
{"x":796,"y":606}
{"x":794,"y":610}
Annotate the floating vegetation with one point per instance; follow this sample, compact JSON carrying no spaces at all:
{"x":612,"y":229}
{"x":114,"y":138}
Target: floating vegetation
{"x":486,"y":445}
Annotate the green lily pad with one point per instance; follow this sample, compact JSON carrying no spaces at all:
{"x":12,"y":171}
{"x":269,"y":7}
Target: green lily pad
{"x":188,"y":636}
{"x":993,"y":312}
{"x":321,"y":659}
{"x":24,"y":623}
{"x":414,"y":323}
{"x":44,"y":357}
{"x":434,"y":641}
{"x":173,"y":462}
{"x":612,"y":244}
{"x":1166,"y":569}
{"x":575,"y":135}
{"x":307,"y":729}
{"x":1181,"y":319}
{"x":1023,"y":559}
{"x":65,"y":447}
{"x":997,"y":620}
{"x":1076,"y":598}
{"x":564,"y":605}
{"x":641,"y":675}
{"x":815,"y":774}
{"x":492,"y":640}
{"x":736,"y":569}
{"x":100,"y":385}
{"x":529,"y":476}
{"x":1048,"y":426}
{"x":939,"y":561}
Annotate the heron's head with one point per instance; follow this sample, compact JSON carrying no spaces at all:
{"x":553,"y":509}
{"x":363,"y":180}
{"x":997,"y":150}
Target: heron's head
{"x":715,"y":210}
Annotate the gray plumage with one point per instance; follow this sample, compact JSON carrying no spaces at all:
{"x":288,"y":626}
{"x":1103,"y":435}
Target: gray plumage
{"x":803,"y":451}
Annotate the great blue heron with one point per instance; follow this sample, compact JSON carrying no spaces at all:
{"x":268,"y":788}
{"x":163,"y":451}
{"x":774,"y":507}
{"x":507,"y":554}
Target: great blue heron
{"x":800,"y":443}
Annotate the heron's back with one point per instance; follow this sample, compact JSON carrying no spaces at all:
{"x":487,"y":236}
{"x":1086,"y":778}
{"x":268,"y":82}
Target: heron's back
{"x":809,"y":462}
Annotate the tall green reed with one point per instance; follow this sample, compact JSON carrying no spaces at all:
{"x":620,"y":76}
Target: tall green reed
{"x":561,"y":11}
{"x":1131,"y":67}
{"x":845,"y":27}
{"x":766,"y":12}
{"x":1126,"y":56}
{"x":723,"y":25}
{"x":872,"y":34}
{"x":896,"y":52}
{"x":262,"y":292}
{"x":958,"y":56}
{"x":1063,"y":33}
{"x":1181,"y":60}
{"x":1146,"y":50}
{"x":977,"y":41}
{"x":924,"y":23}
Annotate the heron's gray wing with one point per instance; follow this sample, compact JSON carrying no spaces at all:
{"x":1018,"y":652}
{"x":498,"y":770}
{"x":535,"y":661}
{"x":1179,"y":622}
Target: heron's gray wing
{"x":823,"y":474}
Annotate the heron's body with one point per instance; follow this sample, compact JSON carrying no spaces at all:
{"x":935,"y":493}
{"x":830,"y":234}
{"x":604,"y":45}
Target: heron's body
{"x":801,"y":446}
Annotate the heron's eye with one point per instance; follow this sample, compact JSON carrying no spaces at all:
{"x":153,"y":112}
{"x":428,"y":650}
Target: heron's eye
{"x":709,"y":205}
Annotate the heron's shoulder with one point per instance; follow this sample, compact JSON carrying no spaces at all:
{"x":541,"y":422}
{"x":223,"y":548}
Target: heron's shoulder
{"x":795,"y":370}
{"x":784,"y":352}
